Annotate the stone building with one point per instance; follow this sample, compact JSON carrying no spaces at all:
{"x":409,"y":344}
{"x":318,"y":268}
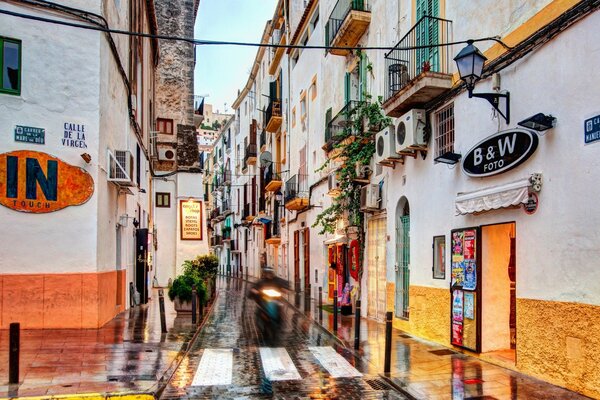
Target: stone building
{"x":178,"y":227}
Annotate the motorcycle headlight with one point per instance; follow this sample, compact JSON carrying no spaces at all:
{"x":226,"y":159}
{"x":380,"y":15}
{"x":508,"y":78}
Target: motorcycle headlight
{"x":271,"y":293}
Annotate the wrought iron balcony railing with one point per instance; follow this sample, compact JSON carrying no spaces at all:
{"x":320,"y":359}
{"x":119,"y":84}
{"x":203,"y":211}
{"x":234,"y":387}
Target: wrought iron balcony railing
{"x":250,"y":153}
{"x":417,"y":52}
{"x":296,"y":187}
{"x":263,"y":138}
{"x":338,"y":15}
{"x":341,"y":125}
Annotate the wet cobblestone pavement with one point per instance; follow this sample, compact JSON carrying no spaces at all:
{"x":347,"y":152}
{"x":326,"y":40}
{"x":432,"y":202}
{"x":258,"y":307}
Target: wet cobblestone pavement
{"x":232,"y":326}
{"x":127,"y":354}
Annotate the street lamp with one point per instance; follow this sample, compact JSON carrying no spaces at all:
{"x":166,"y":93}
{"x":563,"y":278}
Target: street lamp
{"x":469,"y":62}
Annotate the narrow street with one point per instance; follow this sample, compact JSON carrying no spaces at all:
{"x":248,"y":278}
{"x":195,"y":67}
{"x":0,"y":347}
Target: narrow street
{"x":231,"y":331}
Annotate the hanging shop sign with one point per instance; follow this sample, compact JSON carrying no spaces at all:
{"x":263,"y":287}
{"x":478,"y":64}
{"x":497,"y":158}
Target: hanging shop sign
{"x":532,"y":204}
{"x":500,"y":152}
{"x":591,"y":130}
{"x":29,"y":134}
{"x":37,"y":182}
{"x":191,"y":219}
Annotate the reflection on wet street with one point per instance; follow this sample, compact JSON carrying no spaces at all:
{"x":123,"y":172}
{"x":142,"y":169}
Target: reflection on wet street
{"x":128,"y":353}
{"x":232,"y":326}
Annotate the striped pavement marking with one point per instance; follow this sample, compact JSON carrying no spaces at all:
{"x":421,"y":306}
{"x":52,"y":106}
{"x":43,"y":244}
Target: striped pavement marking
{"x":216,"y":368}
{"x":334,"y":363}
{"x":278,"y":365}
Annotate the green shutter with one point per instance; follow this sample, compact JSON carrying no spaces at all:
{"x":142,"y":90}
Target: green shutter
{"x":362,"y":76}
{"x":347,"y":88}
{"x":427,"y":33}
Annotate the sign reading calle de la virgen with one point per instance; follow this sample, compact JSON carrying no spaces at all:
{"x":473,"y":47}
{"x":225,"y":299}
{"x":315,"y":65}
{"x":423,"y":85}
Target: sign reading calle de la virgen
{"x":500,"y":152}
{"x":36,"y":182}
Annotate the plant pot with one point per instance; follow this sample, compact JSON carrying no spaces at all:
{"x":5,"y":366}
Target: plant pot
{"x":182,"y":307}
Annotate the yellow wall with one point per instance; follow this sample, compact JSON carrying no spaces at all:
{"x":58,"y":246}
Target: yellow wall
{"x":429,"y":313}
{"x":560,"y":343}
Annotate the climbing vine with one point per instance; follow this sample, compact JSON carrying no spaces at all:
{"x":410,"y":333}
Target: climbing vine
{"x":355,"y":147}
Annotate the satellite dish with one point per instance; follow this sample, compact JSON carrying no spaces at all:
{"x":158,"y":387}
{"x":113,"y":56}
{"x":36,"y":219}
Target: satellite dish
{"x":265,"y":159}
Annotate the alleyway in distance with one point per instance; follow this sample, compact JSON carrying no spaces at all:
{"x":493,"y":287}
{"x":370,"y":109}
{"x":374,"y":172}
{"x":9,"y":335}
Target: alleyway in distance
{"x":231,"y":330}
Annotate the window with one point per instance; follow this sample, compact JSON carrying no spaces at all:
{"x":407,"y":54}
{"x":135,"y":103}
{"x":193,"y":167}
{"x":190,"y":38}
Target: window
{"x":163,"y":200}
{"x":444,"y":130}
{"x":313,"y":88}
{"x":314,"y":21}
{"x":10,"y":66}
{"x":439,"y":257}
{"x":164,"y":126}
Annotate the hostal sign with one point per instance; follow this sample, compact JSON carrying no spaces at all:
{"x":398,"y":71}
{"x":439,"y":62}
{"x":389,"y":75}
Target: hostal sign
{"x":500,"y":152}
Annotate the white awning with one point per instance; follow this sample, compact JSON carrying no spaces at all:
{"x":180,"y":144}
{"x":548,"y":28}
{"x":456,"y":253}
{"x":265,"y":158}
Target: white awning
{"x":493,"y":198}
{"x":336,"y":239}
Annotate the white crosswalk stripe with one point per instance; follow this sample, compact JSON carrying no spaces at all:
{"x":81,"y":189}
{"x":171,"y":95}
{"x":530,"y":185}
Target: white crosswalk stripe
{"x":334,"y":363}
{"x":278,"y":365}
{"x":216,"y":365}
{"x":216,"y":368}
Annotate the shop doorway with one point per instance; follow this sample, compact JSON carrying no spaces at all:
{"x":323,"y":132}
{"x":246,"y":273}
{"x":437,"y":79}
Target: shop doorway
{"x":499,"y":314}
{"x":376,"y":267}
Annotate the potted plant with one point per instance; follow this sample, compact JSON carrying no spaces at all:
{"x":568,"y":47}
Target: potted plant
{"x":196,"y":273}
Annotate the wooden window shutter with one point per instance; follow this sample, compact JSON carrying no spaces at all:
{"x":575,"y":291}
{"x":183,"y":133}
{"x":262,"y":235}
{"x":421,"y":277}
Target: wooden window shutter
{"x":306,"y":258}
{"x":296,"y":257}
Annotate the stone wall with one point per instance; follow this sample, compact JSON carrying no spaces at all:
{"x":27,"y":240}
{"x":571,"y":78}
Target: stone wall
{"x":175,"y":71}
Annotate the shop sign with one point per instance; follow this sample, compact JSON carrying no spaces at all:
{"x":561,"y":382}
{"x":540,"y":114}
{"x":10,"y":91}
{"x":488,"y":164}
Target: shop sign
{"x":592,"y":130}
{"x":37,"y":182}
{"x":500,"y":152}
{"x":191,"y":219}
{"x":29,"y":134}
{"x":532,"y":204}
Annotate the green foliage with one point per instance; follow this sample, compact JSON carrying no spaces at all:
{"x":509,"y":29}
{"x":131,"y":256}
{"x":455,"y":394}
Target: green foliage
{"x":196,"y":272}
{"x":366,"y":119}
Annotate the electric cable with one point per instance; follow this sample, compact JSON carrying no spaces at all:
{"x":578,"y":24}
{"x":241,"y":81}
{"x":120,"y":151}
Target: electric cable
{"x":204,"y":42}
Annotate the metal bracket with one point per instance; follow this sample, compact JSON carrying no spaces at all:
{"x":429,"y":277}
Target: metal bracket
{"x":494,"y":100}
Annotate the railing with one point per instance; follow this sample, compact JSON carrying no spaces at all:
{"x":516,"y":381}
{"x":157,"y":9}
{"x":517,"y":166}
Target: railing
{"x":342,"y":123}
{"x":275,"y":225}
{"x":216,"y":240}
{"x":215,"y":213}
{"x":274,"y":109}
{"x":418,"y":52}
{"x":250,"y":152}
{"x":226,"y":176}
{"x":270,"y":174}
{"x":296,"y":187}
{"x":226,"y":233}
{"x":263,"y":138}
{"x":339,"y":14}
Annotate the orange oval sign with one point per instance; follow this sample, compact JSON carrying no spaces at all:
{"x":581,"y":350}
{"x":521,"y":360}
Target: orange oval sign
{"x":31,"y":181}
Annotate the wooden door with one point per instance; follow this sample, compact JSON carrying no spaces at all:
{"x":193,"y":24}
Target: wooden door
{"x":306,"y":249}
{"x":296,"y":259}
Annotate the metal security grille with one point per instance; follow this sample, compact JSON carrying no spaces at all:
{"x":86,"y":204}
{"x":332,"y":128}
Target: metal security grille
{"x":444,"y":132}
{"x":403,"y":273}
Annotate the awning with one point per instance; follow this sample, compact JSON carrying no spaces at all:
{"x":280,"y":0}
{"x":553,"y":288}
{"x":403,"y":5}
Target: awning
{"x":493,"y":198}
{"x":337,"y":239}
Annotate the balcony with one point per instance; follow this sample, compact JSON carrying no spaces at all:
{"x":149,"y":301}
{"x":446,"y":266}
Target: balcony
{"x":250,"y":156}
{"x":273,"y":180}
{"x":273,"y":116}
{"x":347,"y":23}
{"x":263,"y":141}
{"x":216,"y":241}
{"x":296,"y":193}
{"x":226,"y":208}
{"x":340,"y":127}
{"x":249,"y":212}
{"x":215,"y":213}
{"x":273,"y":235}
{"x":226,"y":177}
{"x":226,"y":231}
{"x":277,"y":52}
{"x":416,"y":76}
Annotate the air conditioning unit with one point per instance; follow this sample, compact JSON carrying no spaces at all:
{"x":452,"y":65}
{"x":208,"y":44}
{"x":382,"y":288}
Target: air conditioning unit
{"x":369,"y":197}
{"x":333,"y":184}
{"x":120,"y":167}
{"x":385,"y":146}
{"x":410,"y":131}
{"x":166,"y":154}
{"x":362,"y":171}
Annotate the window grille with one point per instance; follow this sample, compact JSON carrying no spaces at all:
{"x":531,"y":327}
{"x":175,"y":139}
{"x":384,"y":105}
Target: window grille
{"x":444,"y":132}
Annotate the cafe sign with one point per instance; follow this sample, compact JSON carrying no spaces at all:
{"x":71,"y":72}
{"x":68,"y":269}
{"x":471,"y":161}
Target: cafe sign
{"x":36,"y":182}
{"x":500,"y":152}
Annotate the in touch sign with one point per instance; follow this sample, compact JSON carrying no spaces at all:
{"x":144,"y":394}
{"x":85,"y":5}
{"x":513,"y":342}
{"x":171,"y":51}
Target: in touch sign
{"x":500,"y":152}
{"x":37,"y":182}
